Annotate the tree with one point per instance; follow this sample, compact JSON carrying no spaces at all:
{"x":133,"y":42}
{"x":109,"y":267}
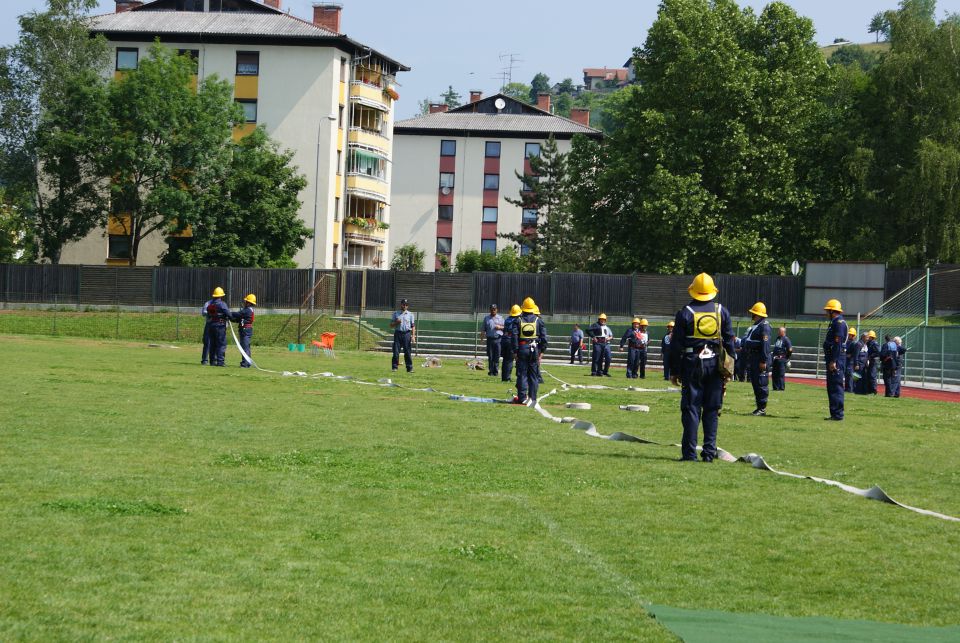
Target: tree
{"x":51,"y":109}
{"x":250,"y":216}
{"x":854,"y":55}
{"x":518,"y":91}
{"x":450,"y":97}
{"x":539,"y":84}
{"x":165,"y":145}
{"x":14,"y":243}
{"x":553,"y":243}
{"x":880,"y":25}
{"x":423,"y":106}
{"x":408,"y":257}
{"x":710,"y":162}
{"x":506,"y":260}
{"x":566,"y":86}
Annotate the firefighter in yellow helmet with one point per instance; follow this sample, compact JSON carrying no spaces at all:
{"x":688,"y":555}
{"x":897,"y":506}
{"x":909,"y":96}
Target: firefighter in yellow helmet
{"x":850,"y":349}
{"x":601,"y":335}
{"x":700,"y":328}
{"x":757,"y":347}
{"x":217,"y":314}
{"x":529,"y":341}
{"x":244,"y":318}
{"x":665,"y":350}
{"x":635,"y":339}
{"x":506,"y":343}
{"x":835,"y":356}
{"x":873,"y":356}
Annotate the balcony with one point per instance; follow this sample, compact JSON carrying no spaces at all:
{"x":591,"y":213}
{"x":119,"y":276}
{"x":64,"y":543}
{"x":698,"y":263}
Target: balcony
{"x":364,"y":232}
{"x":367,"y":187}
{"x":370,"y":139}
{"x":369,"y":95}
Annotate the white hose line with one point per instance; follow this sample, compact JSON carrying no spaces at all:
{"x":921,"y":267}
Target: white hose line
{"x":602,"y":387}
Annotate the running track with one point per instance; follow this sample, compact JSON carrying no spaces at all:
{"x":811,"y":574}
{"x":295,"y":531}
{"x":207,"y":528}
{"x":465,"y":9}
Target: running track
{"x":905,"y":391}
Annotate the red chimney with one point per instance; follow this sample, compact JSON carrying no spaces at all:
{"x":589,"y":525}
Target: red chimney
{"x":127,"y":5}
{"x":327,"y":15}
{"x":475,"y":95}
{"x":543,"y":101}
{"x":272,"y":3}
{"x":436,"y":108}
{"x":580,"y":115}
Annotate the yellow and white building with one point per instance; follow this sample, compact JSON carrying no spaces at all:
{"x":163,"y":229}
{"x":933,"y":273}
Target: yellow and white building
{"x":325,"y":97}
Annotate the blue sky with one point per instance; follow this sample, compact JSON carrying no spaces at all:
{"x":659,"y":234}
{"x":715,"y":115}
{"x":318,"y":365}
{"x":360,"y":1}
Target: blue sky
{"x":461,"y":44}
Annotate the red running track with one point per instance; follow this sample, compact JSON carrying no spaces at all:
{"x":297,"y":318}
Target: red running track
{"x":905,"y":391}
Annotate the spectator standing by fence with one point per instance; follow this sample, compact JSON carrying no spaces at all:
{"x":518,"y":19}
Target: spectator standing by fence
{"x":493,"y":331}
{"x":404,"y":334}
{"x":576,"y":344}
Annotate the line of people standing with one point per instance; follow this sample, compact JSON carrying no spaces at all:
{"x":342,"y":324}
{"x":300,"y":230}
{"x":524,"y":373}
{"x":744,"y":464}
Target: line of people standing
{"x":865,"y":358}
{"x":217,"y":315}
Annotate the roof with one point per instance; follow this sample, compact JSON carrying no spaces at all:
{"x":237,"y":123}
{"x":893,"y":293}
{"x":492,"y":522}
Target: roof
{"x":541,"y":125}
{"x":238,"y":26}
{"x":606,"y":73}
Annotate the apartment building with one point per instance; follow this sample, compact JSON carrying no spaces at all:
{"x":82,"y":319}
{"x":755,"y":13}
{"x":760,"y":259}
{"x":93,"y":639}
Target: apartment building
{"x":455,"y":169}
{"x":317,"y":92}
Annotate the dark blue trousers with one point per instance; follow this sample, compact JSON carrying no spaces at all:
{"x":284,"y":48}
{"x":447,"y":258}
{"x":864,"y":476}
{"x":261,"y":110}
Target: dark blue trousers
{"x":871,"y":377}
{"x":506,"y":350}
{"x":848,"y":377}
{"x":576,"y":351}
{"x":634,"y":356}
{"x":740,"y":367}
{"x":528,"y":373}
{"x":401,"y":342}
{"x":700,"y":401}
{"x":835,"y":391}
{"x":600,"y":364}
{"x":779,"y":374}
{"x":217,"y":339}
{"x":205,"y":355}
{"x":666,"y":365}
{"x":891,"y":382}
{"x":493,"y":355}
{"x":759,"y":380}
{"x":245,"y":335}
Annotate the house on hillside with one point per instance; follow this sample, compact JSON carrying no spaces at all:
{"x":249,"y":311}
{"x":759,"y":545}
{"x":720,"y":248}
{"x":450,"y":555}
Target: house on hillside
{"x":604,"y":80}
{"x":326,"y":97}
{"x":454,"y":170}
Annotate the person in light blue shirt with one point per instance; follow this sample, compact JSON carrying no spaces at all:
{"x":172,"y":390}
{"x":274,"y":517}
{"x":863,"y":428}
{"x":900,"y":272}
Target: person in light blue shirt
{"x":404,"y":334}
{"x":493,"y":331}
{"x":576,"y":344}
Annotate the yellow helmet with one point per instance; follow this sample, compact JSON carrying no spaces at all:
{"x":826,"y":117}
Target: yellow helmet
{"x":759,"y":309}
{"x":702,"y":287}
{"x":871,"y":334}
{"x":528,"y":305}
{"x":515,"y":311}
{"x":251,"y":299}
{"x":602,"y":316}
{"x":536,"y":310}
{"x":218,"y":292}
{"x":644,"y":322}
{"x":670,"y":324}
{"x":833,"y":304}
{"x":636,"y":320}
{"x":852,"y":331}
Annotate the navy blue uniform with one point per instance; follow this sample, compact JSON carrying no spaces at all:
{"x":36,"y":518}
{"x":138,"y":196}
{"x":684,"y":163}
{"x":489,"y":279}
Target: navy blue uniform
{"x":506,"y":348}
{"x":781,"y":351}
{"x":665,"y":354}
{"x":757,"y":347}
{"x":740,"y":366}
{"x":636,"y":343}
{"x":576,"y":345}
{"x":244,"y":319}
{"x":834,"y":353}
{"x":873,"y":356}
{"x":600,"y":358}
{"x":529,"y":341}
{"x":693,"y":357}
{"x":217,"y":316}
{"x":404,"y":324}
{"x":851,"y":352}
{"x":204,"y":356}
{"x":860,"y":362}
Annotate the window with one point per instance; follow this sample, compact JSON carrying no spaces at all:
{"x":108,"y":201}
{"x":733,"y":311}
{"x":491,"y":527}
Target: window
{"x":339,"y":162}
{"x":525,"y":186}
{"x":529,"y":217}
{"x":119,"y":247}
{"x":492,"y":149}
{"x":448,"y":148}
{"x":127,"y":58}
{"x":488,"y":246}
{"x":524,"y":250}
{"x":193,"y":54}
{"x":336,"y":208}
{"x":336,"y":253}
{"x":363,"y":162}
{"x":531,"y":149}
{"x":446,"y":180}
{"x":343,"y":70}
{"x":491,"y":181}
{"x":445,"y":212}
{"x":489,"y":215}
{"x":340,"y":117}
{"x":249,"y":109}
{"x":248,"y":63}
{"x":444,"y":245}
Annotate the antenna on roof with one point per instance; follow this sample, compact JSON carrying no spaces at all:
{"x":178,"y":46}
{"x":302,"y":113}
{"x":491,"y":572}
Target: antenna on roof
{"x":509,"y":61}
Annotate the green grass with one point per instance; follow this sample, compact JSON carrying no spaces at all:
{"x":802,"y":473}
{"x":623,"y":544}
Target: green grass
{"x":143,"y":496}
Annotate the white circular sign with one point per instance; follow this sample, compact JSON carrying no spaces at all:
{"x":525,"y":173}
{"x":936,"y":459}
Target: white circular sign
{"x":795,"y":268}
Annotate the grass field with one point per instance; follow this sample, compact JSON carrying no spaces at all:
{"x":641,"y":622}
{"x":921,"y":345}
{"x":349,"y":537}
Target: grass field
{"x":143,"y":496}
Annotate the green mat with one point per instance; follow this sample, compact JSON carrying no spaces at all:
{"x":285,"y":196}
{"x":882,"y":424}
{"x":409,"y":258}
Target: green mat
{"x":694,"y":626}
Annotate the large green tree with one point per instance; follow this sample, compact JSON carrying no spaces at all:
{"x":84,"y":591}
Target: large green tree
{"x":249,"y":217}
{"x":51,"y":112}
{"x":166,"y":145}
{"x":709,"y":163}
{"x":408,"y":257}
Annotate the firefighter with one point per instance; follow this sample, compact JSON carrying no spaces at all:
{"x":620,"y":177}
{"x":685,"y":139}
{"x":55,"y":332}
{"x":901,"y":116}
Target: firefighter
{"x":244,"y":319}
